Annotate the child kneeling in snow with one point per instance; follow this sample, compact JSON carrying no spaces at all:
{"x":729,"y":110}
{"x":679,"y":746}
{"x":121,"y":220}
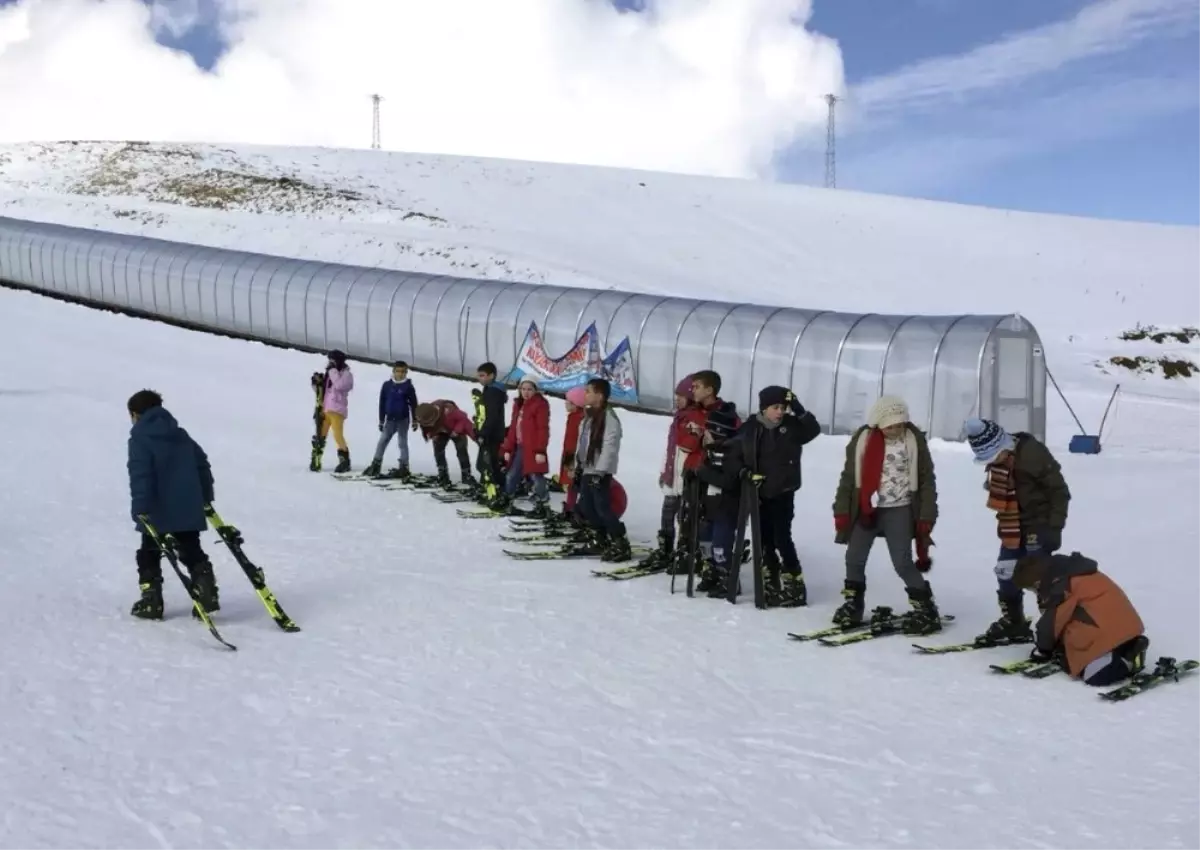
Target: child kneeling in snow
{"x":1086,"y":619}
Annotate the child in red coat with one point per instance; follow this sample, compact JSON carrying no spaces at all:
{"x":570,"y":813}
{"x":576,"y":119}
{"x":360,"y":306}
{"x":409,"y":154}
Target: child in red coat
{"x":525,"y":444}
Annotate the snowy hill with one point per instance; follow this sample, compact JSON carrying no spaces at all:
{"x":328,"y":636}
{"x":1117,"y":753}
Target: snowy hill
{"x":734,"y":240}
{"x":443,"y":695}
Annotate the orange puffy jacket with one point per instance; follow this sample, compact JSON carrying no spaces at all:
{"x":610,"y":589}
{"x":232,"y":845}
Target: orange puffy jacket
{"x":1083,"y":610}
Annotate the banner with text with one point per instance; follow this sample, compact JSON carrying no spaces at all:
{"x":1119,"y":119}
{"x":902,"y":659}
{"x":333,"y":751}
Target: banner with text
{"x":583,"y":362}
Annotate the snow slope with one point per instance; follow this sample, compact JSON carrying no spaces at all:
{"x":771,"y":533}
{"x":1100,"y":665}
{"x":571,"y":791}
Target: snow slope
{"x":442,"y":695}
{"x":1080,"y":281}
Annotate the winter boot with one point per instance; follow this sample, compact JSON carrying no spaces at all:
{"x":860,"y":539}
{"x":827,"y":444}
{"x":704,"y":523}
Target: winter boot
{"x":150,"y":604}
{"x":792,"y":592}
{"x":204,"y":585}
{"x":851,"y":611}
{"x":1133,"y":654}
{"x":772,"y":581}
{"x":1012,"y":627}
{"x":401,"y":472}
{"x":618,"y":550}
{"x":372,"y":470}
{"x":924,"y":618}
{"x":318,"y":454}
{"x":343,"y":464}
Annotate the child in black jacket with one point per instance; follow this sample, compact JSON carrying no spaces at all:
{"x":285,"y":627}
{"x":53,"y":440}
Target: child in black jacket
{"x":767,"y":450}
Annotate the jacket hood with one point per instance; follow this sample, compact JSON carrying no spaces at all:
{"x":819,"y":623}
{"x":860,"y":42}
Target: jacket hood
{"x":157,"y":424}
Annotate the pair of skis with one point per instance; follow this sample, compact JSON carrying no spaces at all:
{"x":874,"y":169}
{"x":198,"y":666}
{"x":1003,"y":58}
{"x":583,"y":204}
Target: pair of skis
{"x":884,"y":622}
{"x":748,"y":518}
{"x":232,"y":538}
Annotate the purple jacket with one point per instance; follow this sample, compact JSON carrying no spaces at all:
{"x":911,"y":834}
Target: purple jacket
{"x":337,"y":390}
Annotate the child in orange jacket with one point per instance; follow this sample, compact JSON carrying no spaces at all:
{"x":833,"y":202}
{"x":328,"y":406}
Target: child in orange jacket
{"x":1086,"y":618}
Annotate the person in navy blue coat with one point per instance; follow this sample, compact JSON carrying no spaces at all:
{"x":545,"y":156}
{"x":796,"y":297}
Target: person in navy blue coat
{"x":171,"y":483}
{"x":397,"y":416}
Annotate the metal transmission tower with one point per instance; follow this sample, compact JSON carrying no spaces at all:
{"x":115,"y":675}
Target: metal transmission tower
{"x":831,"y":143}
{"x":375,"y":99}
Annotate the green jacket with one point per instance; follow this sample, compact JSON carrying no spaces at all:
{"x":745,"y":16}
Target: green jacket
{"x":1042,"y":492}
{"x":924,"y":503}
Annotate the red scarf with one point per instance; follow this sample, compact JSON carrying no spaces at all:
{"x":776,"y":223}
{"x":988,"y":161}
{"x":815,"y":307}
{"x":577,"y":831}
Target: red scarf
{"x":871,"y":476}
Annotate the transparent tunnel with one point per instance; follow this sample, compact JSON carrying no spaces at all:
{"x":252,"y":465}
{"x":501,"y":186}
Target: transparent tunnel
{"x":946,"y":367}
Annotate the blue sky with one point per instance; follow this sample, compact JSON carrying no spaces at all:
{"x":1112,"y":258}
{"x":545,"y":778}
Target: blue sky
{"x":1085,"y":107}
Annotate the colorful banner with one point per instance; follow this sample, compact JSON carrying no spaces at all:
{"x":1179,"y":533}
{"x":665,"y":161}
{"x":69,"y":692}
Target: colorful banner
{"x":578,"y":366}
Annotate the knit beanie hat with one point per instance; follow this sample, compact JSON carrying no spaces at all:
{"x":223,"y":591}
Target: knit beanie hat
{"x":888,"y":410}
{"x":772,"y":395}
{"x":427,"y":415}
{"x":684,"y":388}
{"x":528,"y":379}
{"x":577,"y":396}
{"x":987,"y":439}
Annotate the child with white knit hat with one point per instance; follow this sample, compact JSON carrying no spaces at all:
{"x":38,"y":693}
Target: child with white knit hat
{"x":888,"y":489}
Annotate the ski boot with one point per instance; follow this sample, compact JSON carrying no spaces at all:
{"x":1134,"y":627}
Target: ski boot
{"x":343,"y":464}
{"x":924,"y":618}
{"x":792,"y":593}
{"x":618,"y":550}
{"x":1134,"y":654}
{"x":204,"y":586}
{"x":772,"y":581}
{"x":372,"y":470}
{"x":443,"y":479}
{"x":541,"y":510}
{"x":709,"y":577}
{"x":663,"y":555}
{"x":851,"y":612}
{"x":150,"y":604}
{"x":400,"y":473}
{"x":1012,"y":627}
{"x":318,"y":454}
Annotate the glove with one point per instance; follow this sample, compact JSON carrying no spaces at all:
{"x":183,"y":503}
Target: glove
{"x":416,"y":427}
{"x":841,"y":522}
{"x":317,"y":379}
{"x":1033,"y":543}
{"x":1050,"y":539}
{"x":1004,"y":570}
{"x":757,"y":480}
{"x":794,"y":405}
{"x":924,"y":528}
{"x":1039,"y":657}
{"x":508,"y":457}
{"x":539,"y":458}
{"x":380,"y":424}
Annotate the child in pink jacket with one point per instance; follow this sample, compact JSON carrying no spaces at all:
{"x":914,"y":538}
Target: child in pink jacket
{"x":335,"y":386}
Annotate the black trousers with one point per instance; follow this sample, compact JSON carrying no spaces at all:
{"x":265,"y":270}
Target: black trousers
{"x":488,"y":464}
{"x":775,"y":517}
{"x":149,"y":557}
{"x":460,"y":448}
{"x":594,"y":505}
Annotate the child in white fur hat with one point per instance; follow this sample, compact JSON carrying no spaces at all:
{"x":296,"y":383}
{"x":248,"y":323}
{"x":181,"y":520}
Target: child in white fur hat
{"x":888,"y":489}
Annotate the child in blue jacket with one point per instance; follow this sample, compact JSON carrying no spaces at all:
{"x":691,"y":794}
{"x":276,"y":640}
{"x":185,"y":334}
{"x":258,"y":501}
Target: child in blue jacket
{"x":397,"y":416}
{"x":170,"y":483}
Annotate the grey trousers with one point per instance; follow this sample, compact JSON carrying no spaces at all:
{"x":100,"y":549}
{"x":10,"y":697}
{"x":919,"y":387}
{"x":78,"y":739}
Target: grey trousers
{"x":895,"y":525}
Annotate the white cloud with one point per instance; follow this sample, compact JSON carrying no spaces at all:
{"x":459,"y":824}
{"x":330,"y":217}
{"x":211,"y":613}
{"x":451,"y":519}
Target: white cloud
{"x":716,"y":87}
{"x":1103,"y":28}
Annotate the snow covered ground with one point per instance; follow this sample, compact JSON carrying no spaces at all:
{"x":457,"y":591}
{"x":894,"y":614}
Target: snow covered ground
{"x":443,"y":695}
